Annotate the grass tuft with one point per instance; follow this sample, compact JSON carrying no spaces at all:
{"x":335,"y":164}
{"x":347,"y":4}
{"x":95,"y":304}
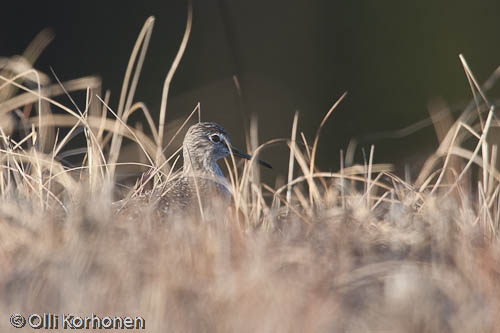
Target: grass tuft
{"x":355,"y":250}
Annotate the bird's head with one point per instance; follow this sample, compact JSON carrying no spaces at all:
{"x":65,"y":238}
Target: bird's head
{"x":208,"y":142}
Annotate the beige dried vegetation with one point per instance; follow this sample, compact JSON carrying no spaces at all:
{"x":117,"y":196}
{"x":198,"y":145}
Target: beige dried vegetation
{"x":351,"y":251}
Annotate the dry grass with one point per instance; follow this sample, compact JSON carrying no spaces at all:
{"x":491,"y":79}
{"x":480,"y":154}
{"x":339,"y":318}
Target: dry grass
{"x":352,"y":251}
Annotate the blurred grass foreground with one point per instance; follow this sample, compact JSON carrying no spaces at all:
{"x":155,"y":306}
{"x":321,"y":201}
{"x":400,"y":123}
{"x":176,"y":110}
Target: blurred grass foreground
{"x":357,"y":250}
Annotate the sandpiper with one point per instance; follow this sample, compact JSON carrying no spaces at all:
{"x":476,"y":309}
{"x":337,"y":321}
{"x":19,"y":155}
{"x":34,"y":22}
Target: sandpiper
{"x":201,"y":179}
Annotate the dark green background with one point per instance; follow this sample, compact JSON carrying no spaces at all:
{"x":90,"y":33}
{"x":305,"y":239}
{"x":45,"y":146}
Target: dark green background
{"x":393,"y":58}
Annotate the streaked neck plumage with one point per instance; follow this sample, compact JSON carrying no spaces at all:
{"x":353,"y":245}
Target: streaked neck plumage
{"x":204,"y":166}
{"x":200,"y":165}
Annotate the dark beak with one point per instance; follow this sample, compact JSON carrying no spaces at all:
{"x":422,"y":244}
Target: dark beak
{"x":241,"y":154}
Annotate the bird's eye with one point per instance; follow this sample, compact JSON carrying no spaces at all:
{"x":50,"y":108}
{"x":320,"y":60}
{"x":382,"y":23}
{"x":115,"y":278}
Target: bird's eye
{"x":215,"y":138}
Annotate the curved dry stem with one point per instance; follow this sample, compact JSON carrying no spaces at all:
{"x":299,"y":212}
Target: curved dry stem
{"x":141,"y":106}
{"x":45,"y":162}
{"x":142,"y":39}
{"x":141,"y":43}
{"x":133,"y":132}
{"x":168,"y":80}
{"x":316,"y":138}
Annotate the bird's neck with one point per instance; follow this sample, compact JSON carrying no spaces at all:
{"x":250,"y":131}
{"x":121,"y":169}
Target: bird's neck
{"x":201,"y":167}
{"x":208,"y":169}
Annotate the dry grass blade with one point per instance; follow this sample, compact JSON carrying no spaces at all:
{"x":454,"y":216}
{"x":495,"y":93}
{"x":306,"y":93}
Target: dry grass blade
{"x":316,"y":138}
{"x":196,"y":110}
{"x":168,"y":80}
{"x":50,"y":91}
{"x":360,"y":250}
{"x":135,"y":134}
{"x":127,"y":93}
{"x":474,"y":154}
{"x":291,"y":158}
{"x":197,"y":189}
{"x":25,"y":63}
{"x":312,"y":162}
{"x":474,"y":86}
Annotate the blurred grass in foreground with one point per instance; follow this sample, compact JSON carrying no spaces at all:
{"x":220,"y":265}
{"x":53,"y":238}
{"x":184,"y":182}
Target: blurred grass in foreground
{"x":355,"y":250}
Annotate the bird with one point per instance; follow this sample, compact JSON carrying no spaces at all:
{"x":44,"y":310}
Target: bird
{"x":201,"y":179}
